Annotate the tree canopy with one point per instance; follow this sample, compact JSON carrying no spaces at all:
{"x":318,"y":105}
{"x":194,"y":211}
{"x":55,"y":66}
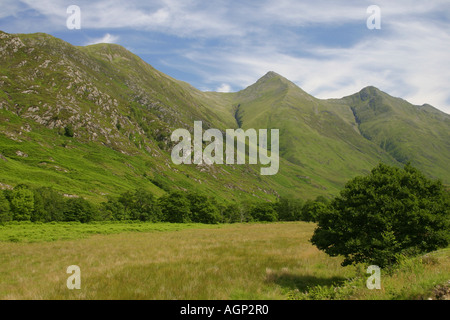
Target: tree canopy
{"x":388,"y":213}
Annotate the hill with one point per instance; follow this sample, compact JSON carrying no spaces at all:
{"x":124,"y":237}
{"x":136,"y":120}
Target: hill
{"x":96,"y":121}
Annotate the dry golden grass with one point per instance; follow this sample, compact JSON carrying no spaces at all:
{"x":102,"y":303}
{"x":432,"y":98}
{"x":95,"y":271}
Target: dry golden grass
{"x":242,"y":261}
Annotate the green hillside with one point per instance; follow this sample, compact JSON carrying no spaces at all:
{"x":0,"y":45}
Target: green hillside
{"x":319,"y":138}
{"x":419,"y":134}
{"x":96,"y":121}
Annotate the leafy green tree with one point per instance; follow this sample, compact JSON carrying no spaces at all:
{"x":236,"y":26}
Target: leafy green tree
{"x":390,"y":212}
{"x":311,"y":210}
{"x":175,"y":207}
{"x":79,"y":209}
{"x":289,"y":209}
{"x":231,"y":213}
{"x":137,"y":205}
{"x":39,"y":212}
{"x":203,"y":209}
{"x":264,"y":211}
{"x":5,"y":209}
{"x":322,"y":199}
{"x":22,"y":203}
{"x":145,"y":205}
{"x":246,"y":210}
{"x":49,"y":205}
{"x":113,"y":209}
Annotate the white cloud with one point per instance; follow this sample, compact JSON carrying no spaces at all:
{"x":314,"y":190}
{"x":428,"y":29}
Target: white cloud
{"x":224,"y":87}
{"x":10,"y":8}
{"x":107,"y":38}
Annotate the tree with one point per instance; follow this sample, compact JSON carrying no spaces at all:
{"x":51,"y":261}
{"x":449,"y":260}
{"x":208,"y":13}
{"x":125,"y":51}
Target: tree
{"x":289,"y":209}
{"x":22,"y":203}
{"x":390,"y":212}
{"x":203,"y":209}
{"x":5,"y":209}
{"x":113,"y":209}
{"x":311,"y":210}
{"x":78,"y":209}
{"x":264,"y":211}
{"x":144,"y":204}
{"x":231,"y":213}
{"x":246,"y":208}
{"x":48,"y":205}
{"x":175,"y":207}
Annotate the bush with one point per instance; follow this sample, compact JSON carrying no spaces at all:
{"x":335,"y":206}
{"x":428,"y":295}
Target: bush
{"x":68,"y":131}
{"x":389,"y":213}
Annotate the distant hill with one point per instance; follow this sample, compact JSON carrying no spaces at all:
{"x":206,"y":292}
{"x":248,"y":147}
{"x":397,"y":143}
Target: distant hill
{"x":96,"y":121}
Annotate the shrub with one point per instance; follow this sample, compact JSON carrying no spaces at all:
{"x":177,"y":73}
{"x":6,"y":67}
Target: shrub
{"x":68,"y":131}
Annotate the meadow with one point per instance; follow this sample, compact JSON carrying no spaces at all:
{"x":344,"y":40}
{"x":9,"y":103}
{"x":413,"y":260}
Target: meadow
{"x":193,"y":261}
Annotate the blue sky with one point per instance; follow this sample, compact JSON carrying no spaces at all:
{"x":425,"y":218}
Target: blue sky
{"x":323,"y":46}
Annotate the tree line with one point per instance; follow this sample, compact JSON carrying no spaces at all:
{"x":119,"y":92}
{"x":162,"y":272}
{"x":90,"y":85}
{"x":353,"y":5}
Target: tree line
{"x":376,"y":219}
{"x":44,"y":204}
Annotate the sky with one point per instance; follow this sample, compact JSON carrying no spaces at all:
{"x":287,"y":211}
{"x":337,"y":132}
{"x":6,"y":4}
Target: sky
{"x":328,"y":48}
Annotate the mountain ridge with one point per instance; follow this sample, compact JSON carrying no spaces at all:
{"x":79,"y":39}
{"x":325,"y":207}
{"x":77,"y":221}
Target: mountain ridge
{"x":122,"y":111}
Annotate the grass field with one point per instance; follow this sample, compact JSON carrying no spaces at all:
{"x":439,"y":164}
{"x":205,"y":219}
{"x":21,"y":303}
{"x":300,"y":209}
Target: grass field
{"x":169,"y":261}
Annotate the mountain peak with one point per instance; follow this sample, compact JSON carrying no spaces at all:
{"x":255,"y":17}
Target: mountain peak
{"x":274,"y":79}
{"x":270,"y":82}
{"x":273,"y":75}
{"x":369,"y":92}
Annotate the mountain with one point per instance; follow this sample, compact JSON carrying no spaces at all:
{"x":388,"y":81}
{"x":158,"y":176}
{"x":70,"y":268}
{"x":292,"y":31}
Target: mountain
{"x":419,"y":134}
{"x":319,"y":138}
{"x":96,"y":121}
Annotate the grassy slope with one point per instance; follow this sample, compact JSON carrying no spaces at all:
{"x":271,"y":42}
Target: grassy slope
{"x":96,"y":89}
{"x":329,"y":141}
{"x":321,"y":141}
{"x":419,"y":134}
